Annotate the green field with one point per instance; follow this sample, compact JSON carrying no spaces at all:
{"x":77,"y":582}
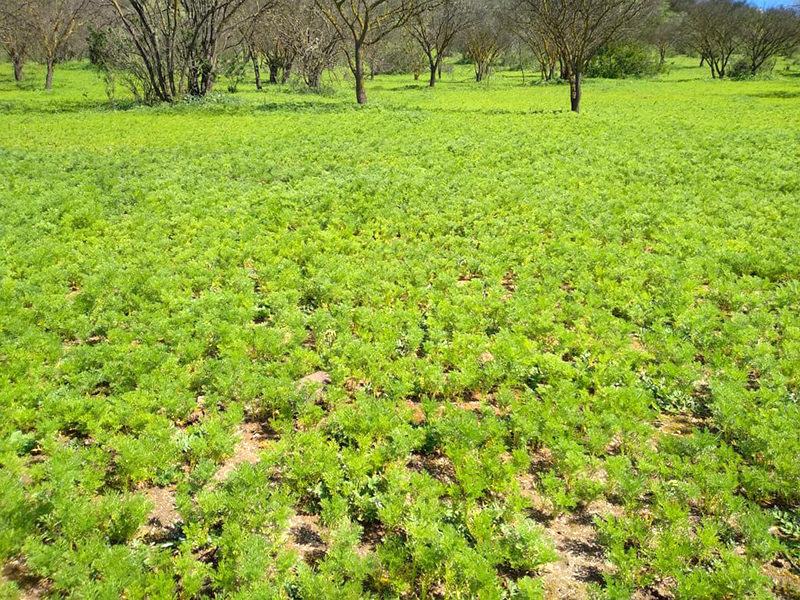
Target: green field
{"x":562,"y":352}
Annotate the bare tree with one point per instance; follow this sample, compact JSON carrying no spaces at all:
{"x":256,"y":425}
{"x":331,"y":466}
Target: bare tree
{"x":579,"y":29}
{"x":53,"y":24}
{"x":173,"y":46}
{"x":250,"y":37}
{"x":768,"y":33}
{"x":436,"y":29}
{"x":487,"y":36}
{"x":316,"y":44}
{"x":363,"y":23}
{"x":665,"y":32}
{"x":17,"y":37}
{"x":542,"y":47}
{"x":714,"y":30}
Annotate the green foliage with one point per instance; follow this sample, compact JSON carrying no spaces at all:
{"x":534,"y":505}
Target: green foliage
{"x":618,"y":61}
{"x":742,"y":69}
{"x":235,"y":72}
{"x":527,"y":319}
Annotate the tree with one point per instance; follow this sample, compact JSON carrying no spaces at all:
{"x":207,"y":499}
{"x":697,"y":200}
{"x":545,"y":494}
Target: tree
{"x":714,"y":30}
{"x":172,"y":47}
{"x":486,"y":37}
{"x":306,"y":39}
{"x":579,"y":29}
{"x":543,"y":49}
{"x":17,"y":37}
{"x":363,"y":23}
{"x":435,"y":31}
{"x":768,"y":33}
{"x":53,"y":24}
{"x":665,"y":32}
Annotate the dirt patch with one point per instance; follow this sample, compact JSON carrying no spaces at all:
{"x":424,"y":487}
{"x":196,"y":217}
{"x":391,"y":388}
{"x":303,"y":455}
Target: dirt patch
{"x":305,"y":536}
{"x":680,"y":424}
{"x":785,"y":579}
{"x":509,"y":284}
{"x":164,"y":521}
{"x":636,"y":344}
{"x":30,"y":586}
{"x":437,"y":465}
{"x":372,"y":537}
{"x":417,"y":414}
{"x":661,"y":590}
{"x":582,"y":556}
{"x":486,"y":357}
{"x":315,"y":384}
{"x":251,"y":439}
{"x":476,"y":401}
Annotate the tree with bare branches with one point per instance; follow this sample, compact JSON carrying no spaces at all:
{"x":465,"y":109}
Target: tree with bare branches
{"x":486,"y":37}
{"x":579,"y":29}
{"x":714,"y":30}
{"x":436,"y":29}
{"x":364,"y":23}
{"x":768,"y":33}
{"x":17,"y":37}
{"x":172,"y":47}
{"x":53,"y":23}
{"x":542,"y":47}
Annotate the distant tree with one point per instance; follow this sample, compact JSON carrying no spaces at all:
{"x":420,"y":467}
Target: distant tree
{"x":579,"y":29}
{"x":314,"y":42}
{"x":250,"y":37}
{"x":53,"y":23}
{"x":435,"y":30}
{"x":665,"y":32}
{"x":768,"y":33}
{"x":273,"y":44}
{"x":364,"y":23}
{"x":172,"y":47}
{"x":294,"y":35}
{"x":397,"y":53}
{"x":17,"y":37}
{"x":714,"y":30}
{"x":542,"y":47}
{"x":487,"y":36}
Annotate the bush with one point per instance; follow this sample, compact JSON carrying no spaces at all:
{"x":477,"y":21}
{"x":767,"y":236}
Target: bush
{"x":624,"y":60}
{"x":742,"y":69}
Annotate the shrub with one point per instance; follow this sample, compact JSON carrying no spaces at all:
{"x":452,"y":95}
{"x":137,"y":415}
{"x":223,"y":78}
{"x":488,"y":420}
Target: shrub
{"x":742,"y":69}
{"x":624,"y":60}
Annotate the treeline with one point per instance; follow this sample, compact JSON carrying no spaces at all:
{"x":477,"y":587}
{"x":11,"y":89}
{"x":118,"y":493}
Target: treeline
{"x":166,"y":49}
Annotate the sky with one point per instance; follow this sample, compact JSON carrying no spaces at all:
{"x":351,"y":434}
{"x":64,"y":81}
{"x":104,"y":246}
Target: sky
{"x":770,"y":3}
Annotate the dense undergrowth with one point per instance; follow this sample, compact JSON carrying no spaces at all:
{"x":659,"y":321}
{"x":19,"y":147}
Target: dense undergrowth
{"x":513,"y":304}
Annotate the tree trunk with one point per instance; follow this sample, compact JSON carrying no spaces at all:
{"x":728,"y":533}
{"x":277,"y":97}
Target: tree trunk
{"x":662,"y":53}
{"x":48,"y":82}
{"x":257,"y":70}
{"x":361,"y":89}
{"x":273,"y":73}
{"x":575,"y":91}
{"x":287,"y":72}
{"x":440,"y":67}
{"x":434,"y":68}
{"x":416,"y":74}
{"x":479,"y":72}
{"x":313,"y":78}
{"x":18,"y":66}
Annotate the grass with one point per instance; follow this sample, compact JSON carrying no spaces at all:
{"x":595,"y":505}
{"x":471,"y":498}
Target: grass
{"x":524,"y":317}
